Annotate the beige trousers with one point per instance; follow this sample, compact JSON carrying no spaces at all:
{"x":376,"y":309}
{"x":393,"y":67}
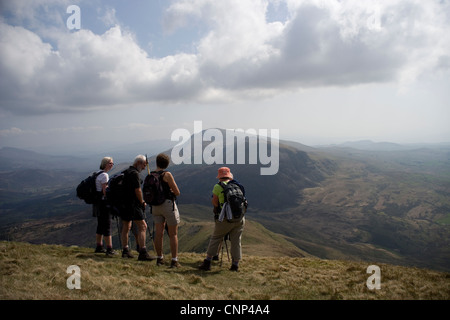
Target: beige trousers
{"x":221,"y":229}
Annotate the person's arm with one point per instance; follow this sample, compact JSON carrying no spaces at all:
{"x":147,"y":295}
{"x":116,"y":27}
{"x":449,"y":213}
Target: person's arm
{"x":139,"y":196}
{"x":168,"y":177}
{"x":104,"y":186}
{"x":215,"y":200}
{"x":136,"y":184}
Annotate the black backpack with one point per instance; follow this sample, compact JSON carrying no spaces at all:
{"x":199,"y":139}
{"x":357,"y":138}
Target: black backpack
{"x":87,"y":190}
{"x":152,"y":189}
{"x":115,"y":193}
{"x":234,"y":194}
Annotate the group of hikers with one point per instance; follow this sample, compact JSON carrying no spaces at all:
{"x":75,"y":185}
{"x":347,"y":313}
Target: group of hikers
{"x":166,"y":214}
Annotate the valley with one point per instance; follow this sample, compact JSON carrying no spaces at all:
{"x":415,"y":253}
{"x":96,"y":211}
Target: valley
{"x":334,"y":202}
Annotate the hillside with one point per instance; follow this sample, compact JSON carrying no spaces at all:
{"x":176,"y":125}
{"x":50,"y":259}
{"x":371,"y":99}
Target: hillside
{"x":390,"y":205}
{"x":194,"y":233}
{"x":39,"y":272}
{"x":264,"y":192}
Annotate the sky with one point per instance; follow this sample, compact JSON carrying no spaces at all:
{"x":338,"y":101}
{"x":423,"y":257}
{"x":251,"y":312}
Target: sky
{"x":321,"y":72}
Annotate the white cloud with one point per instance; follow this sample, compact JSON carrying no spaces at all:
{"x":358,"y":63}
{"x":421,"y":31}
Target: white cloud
{"x":12,"y":132}
{"x":242,"y":55}
{"x":86,"y":71}
{"x":109,"y":17}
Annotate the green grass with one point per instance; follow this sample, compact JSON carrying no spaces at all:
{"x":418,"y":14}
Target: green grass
{"x":445,"y":220}
{"x":38,"y":272}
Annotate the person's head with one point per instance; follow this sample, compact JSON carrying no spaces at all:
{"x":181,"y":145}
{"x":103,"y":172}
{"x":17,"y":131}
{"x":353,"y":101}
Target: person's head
{"x":162,"y":160}
{"x":224,"y":173}
{"x":140,"y":162}
{"x":106,"y":164}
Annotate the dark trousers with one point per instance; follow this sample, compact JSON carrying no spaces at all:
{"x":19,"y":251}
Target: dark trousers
{"x":104,"y":219}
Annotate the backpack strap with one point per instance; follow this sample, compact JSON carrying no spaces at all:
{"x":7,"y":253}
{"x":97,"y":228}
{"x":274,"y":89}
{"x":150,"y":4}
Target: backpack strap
{"x":167,"y":193}
{"x":220,"y":183}
{"x":96,"y":174}
{"x":161,"y":173}
{"x":223,"y":185}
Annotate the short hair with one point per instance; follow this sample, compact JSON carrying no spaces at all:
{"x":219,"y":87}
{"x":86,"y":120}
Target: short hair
{"x":139,"y":158}
{"x":162,"y":160}
{"x":104,"y":162}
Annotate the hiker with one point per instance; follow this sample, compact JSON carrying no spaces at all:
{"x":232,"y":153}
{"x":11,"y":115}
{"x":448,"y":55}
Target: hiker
{"x":134,"y":209}
{"x":223,"y":225}
{"x":167,"y":212}
{"x":101,"y":211}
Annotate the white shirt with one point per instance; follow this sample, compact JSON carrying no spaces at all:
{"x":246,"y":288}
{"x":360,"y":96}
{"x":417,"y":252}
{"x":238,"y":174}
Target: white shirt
{"x":101,"y":179}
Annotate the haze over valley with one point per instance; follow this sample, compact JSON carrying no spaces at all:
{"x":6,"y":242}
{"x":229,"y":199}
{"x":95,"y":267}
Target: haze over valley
{"x":359,"y":201}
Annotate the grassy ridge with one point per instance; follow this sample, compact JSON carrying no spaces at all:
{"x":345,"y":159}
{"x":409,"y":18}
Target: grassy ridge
{"x":39,"y":272}
{"x":194,"y":235}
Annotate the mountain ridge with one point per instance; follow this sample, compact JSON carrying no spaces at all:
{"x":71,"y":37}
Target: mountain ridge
{"x":330,"y":203}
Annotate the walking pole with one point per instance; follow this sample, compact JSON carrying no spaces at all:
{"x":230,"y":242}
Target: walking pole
{"x":226,"y":245}
{"x":146,"y":160}
{"x":221,"y":257}
{"x":149,"y":231}
{"x":118,"y":232}
{"x":150,"y":207}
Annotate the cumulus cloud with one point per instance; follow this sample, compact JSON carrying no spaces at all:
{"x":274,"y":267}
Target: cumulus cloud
{"x":325,"y":43}
{"x":242,"y":54}
{"x":86,"y":71}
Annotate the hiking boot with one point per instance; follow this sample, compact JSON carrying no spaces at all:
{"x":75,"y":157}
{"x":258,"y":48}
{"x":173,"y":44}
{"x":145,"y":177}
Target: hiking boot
{"x":174,"y":264}
{"x":126,"y":254}
{"x":215,"y":258}
{"x":206,"y":265}
{"x":144,"y":256}
{"x":110,"y":252}
{"x":234,"y":268}
{"x":100,"y":249}
{"x":160,"y":261}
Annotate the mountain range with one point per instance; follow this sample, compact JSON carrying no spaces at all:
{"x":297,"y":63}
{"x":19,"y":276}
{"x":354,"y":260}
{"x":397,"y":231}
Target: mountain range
{"x":388,"y":205}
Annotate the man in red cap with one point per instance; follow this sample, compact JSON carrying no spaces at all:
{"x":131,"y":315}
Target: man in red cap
{"x":223,"y":226}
